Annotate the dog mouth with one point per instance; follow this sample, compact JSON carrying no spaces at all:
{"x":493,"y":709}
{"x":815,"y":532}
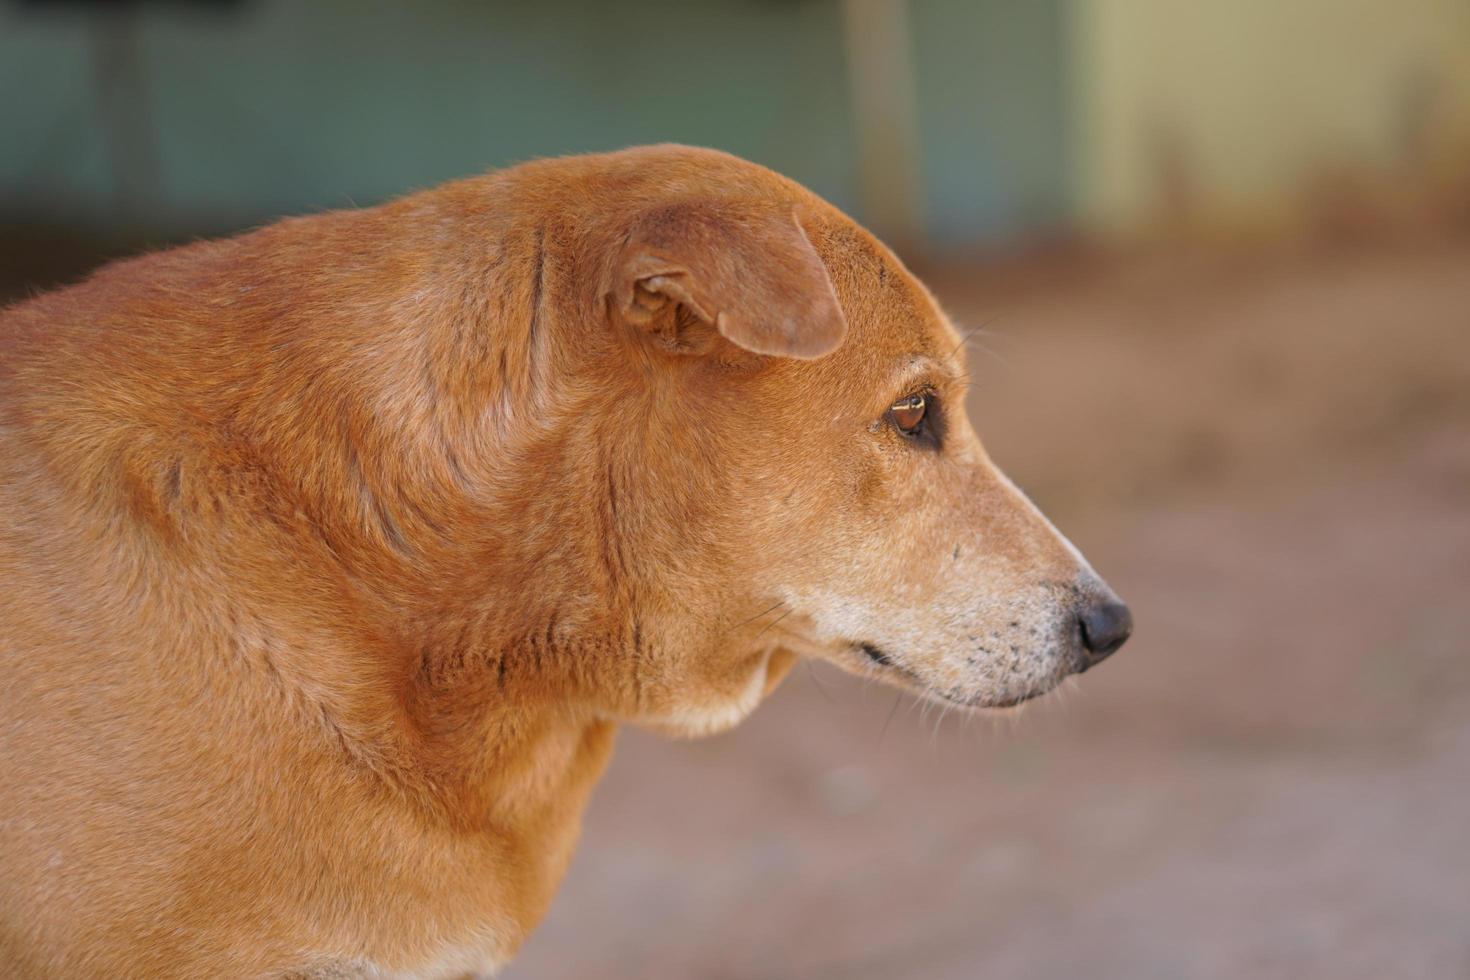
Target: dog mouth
{"x":877,"y":656}
{"x":887,"y":666}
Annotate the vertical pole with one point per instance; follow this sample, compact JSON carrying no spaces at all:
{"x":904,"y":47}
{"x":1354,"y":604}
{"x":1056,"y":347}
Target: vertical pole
{"x":120,"y":89}
{"x":885,"y":112}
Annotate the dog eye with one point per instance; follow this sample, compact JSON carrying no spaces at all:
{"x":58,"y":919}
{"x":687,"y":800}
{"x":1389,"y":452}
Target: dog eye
{"x":908,"y":413}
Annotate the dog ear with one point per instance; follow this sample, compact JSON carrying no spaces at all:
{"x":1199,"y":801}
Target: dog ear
{"x":753,"y":276}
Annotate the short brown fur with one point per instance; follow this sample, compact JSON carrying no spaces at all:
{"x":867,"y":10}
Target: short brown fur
{"x":333,"y":553}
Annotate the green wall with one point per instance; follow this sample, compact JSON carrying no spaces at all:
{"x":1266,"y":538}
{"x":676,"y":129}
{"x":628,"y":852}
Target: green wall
{"x":276,"y":106}
{"x":994,"y":117}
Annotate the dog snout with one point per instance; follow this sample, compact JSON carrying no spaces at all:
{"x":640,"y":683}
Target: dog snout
{"x":1104,"y":624}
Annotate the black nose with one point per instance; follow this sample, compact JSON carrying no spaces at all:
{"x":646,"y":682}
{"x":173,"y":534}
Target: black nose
{"x":1106,"y":625}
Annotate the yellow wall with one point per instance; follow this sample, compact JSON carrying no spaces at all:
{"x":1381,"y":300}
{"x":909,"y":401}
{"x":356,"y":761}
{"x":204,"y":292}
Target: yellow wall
{"x":1234,"y":105}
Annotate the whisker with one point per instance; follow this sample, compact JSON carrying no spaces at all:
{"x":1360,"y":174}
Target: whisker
{"x":964,"y":339}
{"x":773,"y":623}
{"x":997,"y":355}
{"x":898,"y":696}
{"x":747,"y":622}
{"x":938,"y":723}
{"x":821,"y":688}
{"x":981,"y":331}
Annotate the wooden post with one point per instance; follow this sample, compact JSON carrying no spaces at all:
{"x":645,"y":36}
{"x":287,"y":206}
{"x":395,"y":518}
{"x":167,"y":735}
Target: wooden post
{"x":885,"y":113}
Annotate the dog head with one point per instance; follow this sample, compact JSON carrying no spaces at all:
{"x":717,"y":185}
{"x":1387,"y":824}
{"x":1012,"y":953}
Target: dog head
{"x":733,"y":434}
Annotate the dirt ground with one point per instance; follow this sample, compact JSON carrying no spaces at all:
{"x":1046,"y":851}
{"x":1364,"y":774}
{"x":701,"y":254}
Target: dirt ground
{"x":1269,"y":457}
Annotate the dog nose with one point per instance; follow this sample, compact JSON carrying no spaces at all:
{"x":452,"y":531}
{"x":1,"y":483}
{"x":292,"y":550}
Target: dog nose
{"x":1106,"y":625}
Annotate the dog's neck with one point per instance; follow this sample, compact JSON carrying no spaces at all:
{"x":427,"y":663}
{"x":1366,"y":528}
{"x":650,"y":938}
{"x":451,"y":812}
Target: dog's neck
{"x":406,"y":457}
{"x":409,"y":466}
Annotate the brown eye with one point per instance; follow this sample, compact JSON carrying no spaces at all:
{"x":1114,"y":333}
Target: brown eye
{"x":908,"y":413}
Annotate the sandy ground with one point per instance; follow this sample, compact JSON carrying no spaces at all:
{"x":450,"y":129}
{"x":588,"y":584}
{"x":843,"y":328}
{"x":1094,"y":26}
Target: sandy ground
{"x":1270,"y":458}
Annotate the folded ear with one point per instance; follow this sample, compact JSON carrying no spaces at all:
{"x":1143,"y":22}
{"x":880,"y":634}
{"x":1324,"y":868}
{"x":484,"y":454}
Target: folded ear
{"x":752,"y":275}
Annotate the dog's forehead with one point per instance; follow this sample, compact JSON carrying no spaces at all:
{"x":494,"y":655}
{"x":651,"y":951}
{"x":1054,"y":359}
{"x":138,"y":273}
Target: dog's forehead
{"x":897,"y":327}
{"x":898,"y":340}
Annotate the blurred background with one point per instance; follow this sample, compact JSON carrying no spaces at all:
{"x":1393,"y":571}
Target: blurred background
{"x":1220,"y":253}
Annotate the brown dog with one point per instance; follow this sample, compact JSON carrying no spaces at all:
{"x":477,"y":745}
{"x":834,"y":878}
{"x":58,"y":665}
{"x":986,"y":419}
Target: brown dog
{"x":334,"y":553}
